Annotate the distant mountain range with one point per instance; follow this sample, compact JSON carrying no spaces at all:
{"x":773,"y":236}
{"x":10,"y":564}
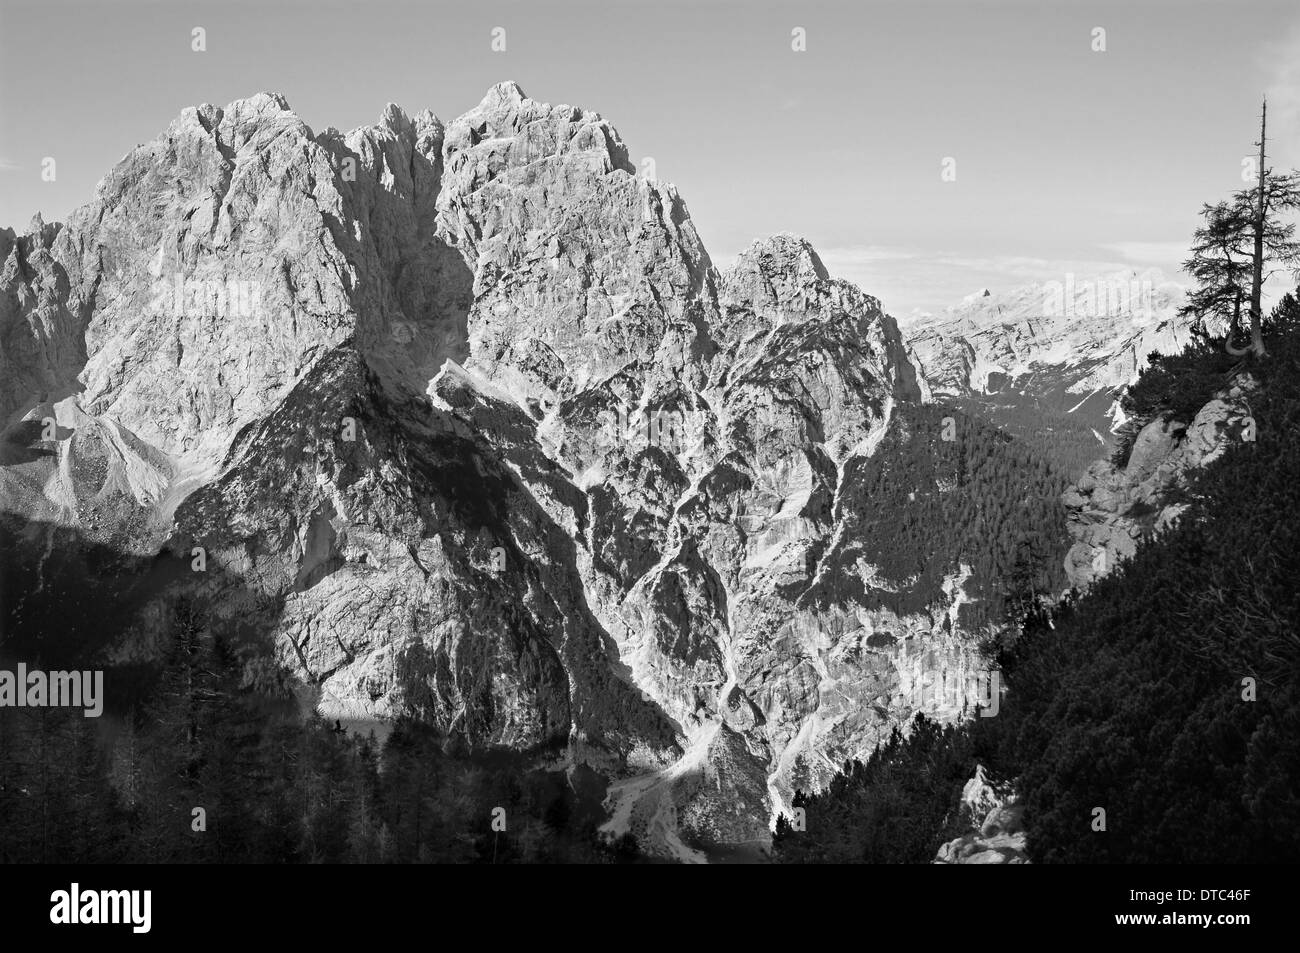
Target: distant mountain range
{"x":1048,"y":361}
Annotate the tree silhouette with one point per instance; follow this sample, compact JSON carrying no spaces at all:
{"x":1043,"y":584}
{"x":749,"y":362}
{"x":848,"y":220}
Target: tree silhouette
{"x":1270,"y":239}
{"x":1220,"y":267}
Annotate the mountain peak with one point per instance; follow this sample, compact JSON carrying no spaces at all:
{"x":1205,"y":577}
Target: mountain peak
{"x":259,"y":104}
{"x":507,"y":90}
{"x":240,"y":120}
{"x":1057,"y":342}
{"x":504,"y":96}
{"x":395,"y":118}
{"x":784,"y":253}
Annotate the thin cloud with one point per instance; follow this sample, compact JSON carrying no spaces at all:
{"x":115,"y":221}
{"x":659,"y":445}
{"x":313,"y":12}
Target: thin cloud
{"x":1281,"y":61}
{"x":911,"y":282}
{"x":1150,"y":253}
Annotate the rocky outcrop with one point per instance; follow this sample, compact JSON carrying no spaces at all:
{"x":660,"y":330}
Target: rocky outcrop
{"x":997,"y":826}
{"x":1112,"y":509}
{"x":462,"y":420}
{"x":1063,"y":342}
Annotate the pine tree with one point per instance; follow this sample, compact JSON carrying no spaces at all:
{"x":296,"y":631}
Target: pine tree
{"x":1220,"y":267}
{"x":1254,"y":216}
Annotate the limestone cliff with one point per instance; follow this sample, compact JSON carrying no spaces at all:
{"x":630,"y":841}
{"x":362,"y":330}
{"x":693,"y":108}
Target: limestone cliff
{"x":1113,"y":508}
{"x":462,"y":420}
{"x":1066,"y":342}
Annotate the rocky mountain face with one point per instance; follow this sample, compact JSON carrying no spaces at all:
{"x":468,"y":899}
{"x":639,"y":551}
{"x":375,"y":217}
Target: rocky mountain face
{"x":463,"y":423}
{"x":1048,"y":362}
{"x":1077,"y":338}
{"x":1111,"y":509}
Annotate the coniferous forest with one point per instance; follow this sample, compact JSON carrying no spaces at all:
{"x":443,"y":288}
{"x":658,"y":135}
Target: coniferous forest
{"x":1166,"y":695}
{"x":212,"y":770}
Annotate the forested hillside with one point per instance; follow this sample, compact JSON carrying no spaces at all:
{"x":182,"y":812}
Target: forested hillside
{"x":219,"y":767}
{"x":1166,"y":696}
{"x":945,"y":490}
{"x":1069,"y":441}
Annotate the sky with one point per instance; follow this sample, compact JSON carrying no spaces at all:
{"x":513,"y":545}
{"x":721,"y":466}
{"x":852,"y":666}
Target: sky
{"x":1067,"y":159}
